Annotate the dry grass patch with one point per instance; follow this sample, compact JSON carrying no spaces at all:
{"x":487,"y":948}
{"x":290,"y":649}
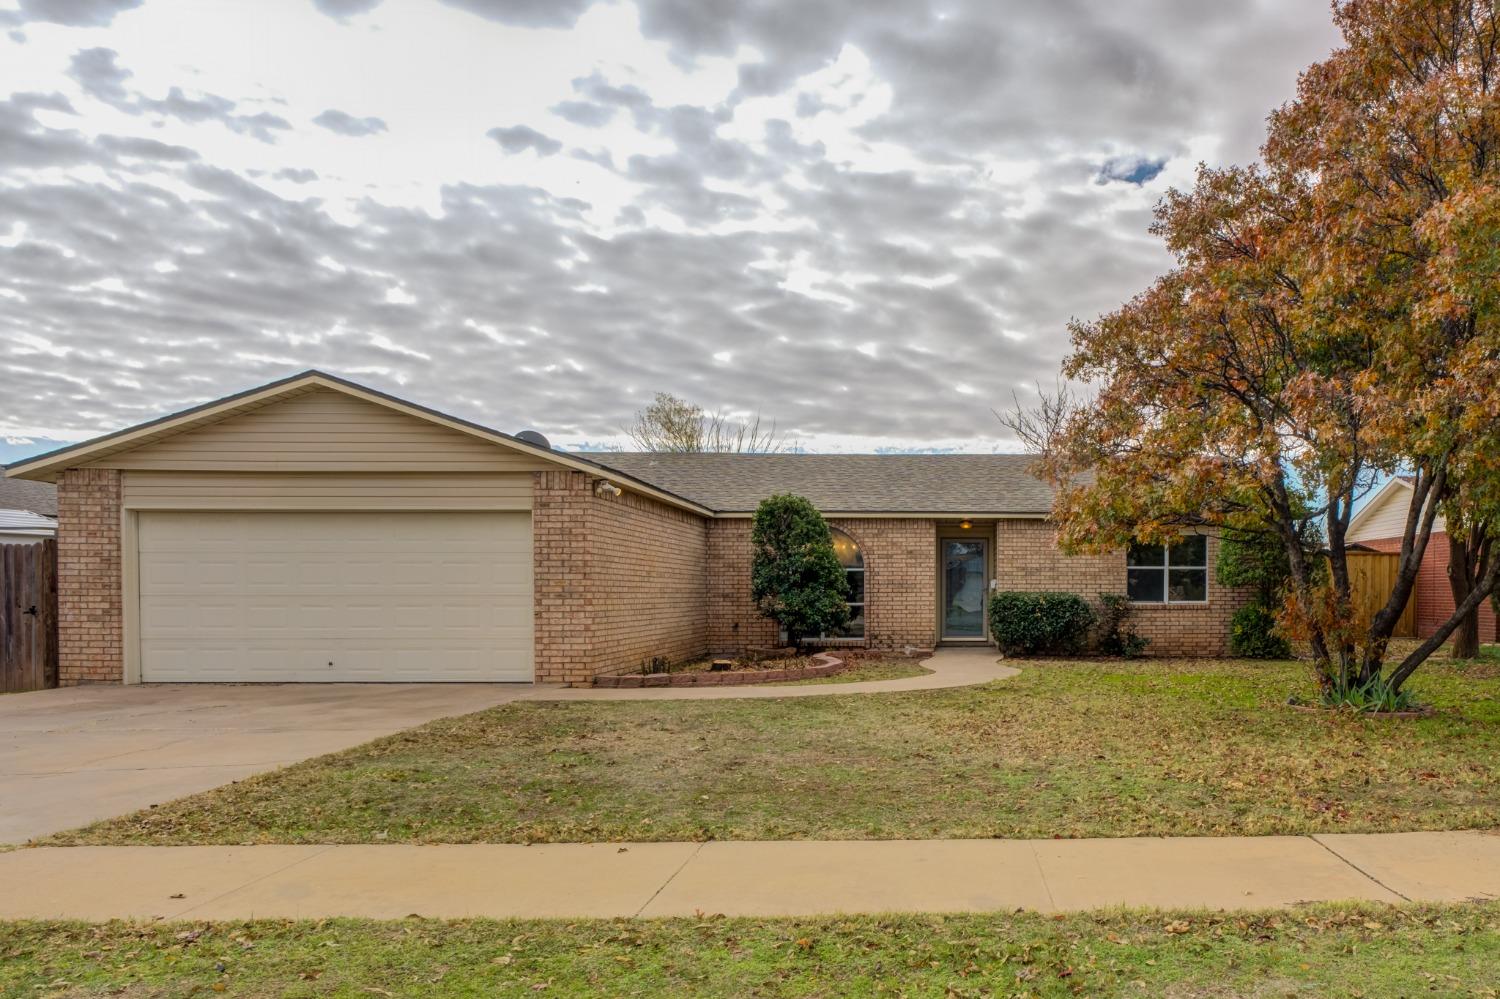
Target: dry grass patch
{"x":1063,"y":749}
{"x":1375,"y":952}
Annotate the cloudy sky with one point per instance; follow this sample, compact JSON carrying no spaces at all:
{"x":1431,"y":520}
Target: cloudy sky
{"x":867,"y":219}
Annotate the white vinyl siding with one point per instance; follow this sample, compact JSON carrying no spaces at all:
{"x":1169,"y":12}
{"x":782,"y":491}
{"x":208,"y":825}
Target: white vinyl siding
{"x":287,"y":597}
{"x":1386,"y":516}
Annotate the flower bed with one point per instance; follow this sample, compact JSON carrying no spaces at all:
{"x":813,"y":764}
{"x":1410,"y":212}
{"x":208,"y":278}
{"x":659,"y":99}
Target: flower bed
{"x":819,"y":665}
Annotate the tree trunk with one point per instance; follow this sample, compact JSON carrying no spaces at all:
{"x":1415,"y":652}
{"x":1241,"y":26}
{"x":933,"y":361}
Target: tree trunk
{"x":1286,"y":525}
{"x":1462,"y":566}
{"x":1483,"y":587}
{"x":1421,"y":513}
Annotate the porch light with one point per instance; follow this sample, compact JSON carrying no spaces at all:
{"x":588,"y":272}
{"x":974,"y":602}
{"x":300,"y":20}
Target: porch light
{"x":965,"y":523}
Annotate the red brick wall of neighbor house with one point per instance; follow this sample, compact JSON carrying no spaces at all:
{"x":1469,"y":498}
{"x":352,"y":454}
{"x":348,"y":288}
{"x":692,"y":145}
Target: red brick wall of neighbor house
{"x":900,"y":584}
{"x":89,"y":619}
{"x":1027,"y":558}
{"x":617,"y":580}
{"x":1432,"y":593}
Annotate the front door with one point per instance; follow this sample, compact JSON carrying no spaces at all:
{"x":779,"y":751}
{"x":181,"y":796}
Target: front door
{"x":964,"y":566}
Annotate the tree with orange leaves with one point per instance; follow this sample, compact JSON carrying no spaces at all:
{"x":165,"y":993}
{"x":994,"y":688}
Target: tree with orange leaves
{"x":1333,"y":317}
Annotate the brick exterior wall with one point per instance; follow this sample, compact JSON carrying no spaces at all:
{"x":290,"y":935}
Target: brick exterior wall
{"x":1027,"y":559}
{"x":900,"y":584}
{"x":650,"y":562}
{"x":89,"y":621}
{"x":1432,"y":593}
{"x":617,"y":580}
{"x":563,"y":611}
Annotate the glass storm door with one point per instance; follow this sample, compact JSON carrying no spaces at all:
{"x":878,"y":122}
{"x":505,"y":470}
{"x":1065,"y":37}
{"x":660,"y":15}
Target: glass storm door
{"x":965,"y":579}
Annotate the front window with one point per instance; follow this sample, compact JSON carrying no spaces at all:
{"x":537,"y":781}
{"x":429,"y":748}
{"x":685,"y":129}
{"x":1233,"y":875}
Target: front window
{"x":853,"y":561}
{"x":1168,"y":574}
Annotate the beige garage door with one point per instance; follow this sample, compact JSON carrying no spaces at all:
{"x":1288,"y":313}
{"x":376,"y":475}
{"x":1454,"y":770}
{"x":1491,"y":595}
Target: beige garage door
{"x":277,"y":597}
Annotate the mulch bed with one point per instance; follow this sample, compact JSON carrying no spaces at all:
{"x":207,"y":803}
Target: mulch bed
{"x":702,"y":674}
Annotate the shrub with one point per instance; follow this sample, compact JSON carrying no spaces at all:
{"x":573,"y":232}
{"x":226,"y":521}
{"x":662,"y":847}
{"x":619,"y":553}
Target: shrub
{"x":1252,"y":633}
{"x":1258,"y":559}
{"x":795,"y":576}
{"x":1047,"y":623}
{"x":1117,"y":636}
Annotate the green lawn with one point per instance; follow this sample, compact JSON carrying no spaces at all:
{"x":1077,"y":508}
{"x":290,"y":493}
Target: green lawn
{"x":1323,"y":951}
{"x":1063,"y":749}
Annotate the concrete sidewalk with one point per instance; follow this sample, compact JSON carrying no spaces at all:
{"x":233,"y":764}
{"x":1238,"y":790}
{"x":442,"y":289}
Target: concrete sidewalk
{"x":791,"y":878}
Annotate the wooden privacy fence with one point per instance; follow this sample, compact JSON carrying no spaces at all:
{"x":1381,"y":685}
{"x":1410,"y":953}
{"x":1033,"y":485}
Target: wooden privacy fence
{"x":1372,"y":576}
{"x":28,"y":616}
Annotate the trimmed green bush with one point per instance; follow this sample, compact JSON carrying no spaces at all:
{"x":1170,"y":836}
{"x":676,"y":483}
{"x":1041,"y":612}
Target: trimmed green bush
{"x":795,"y":576}
{"x":1040,"y":623}
{"x":1252,"y":633}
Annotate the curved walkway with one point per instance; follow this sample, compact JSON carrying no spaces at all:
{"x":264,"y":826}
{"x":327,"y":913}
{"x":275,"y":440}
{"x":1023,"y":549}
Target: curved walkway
{"x":951,"y":667}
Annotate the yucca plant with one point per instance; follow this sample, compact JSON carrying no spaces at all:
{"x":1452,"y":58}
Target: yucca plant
{"x":1374,"y":695}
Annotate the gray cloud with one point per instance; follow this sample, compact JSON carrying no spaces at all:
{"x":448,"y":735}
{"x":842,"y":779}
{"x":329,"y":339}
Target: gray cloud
{"x":834,"y":297}
{"x":519,"y":138}
{"x":522,"y":13}
{"x":343,"y":123}
{"x":70,"y":13}
{"x":131,"y":147}
{"x":526,"y":13}
{"x":100,"y":75}
{"x":341,"y":9}
{"x":584,"y":113}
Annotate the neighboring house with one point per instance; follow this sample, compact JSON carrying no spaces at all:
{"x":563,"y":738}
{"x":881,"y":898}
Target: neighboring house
{"x":1380,"y":524}
{"x":316,"y":530}
{"x":28,"y":511}
{"x":22,"y":527}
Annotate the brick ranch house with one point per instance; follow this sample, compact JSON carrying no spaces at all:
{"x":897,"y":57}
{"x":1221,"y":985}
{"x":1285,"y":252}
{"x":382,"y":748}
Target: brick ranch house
{"x":1380,"y":524}
{"x":316,"y":530}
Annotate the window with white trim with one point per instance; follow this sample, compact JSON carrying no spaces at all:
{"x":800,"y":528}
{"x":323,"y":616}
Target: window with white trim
{"x":853,"y":561}
{"x":1168,"y":574}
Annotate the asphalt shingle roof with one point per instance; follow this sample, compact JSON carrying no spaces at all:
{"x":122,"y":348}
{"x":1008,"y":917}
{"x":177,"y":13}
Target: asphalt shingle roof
{"x":23,"y":494}
{"x":845,"y":483}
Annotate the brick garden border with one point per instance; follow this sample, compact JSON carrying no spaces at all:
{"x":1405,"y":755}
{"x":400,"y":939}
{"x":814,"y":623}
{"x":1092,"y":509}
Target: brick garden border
{"x":825,"y":665}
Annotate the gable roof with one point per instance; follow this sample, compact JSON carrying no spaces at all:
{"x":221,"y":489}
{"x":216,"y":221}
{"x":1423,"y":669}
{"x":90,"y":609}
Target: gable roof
{"x":732,"y":484}
{"x":38,"y":497}
{"x":47,"y":467}
{"x":928,"y":484}
{"x":1383,"y":515}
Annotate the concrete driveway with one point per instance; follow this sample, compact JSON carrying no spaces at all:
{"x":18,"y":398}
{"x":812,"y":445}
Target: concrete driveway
{"x":71,"y":756}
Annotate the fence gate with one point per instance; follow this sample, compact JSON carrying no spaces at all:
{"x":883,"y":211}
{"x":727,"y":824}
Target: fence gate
{"x":28,"y":616}
{"x":1372,"y":577}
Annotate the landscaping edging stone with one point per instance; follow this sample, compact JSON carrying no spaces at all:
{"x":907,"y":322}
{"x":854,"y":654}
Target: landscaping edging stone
{"x":824,"y":665}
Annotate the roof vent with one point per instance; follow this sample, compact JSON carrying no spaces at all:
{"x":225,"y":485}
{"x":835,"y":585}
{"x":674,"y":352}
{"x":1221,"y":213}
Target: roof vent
{"x":532,"y":437}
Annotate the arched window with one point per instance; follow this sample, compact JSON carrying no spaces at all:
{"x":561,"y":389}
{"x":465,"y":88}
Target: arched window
{"x":853,"y":561}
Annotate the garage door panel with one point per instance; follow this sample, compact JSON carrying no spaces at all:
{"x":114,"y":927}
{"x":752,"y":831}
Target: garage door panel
{"x":276,"y":597}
